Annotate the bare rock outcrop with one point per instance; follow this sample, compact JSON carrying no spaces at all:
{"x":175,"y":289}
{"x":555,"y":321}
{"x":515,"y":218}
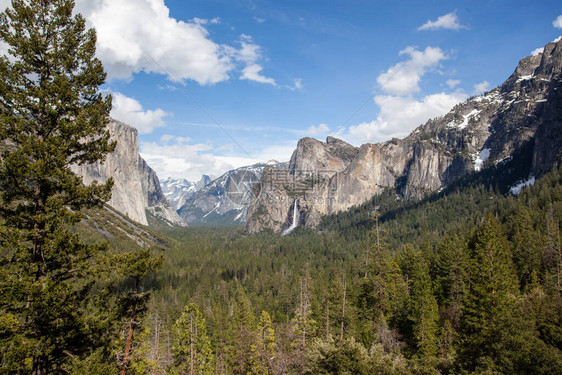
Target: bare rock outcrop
{"x":136,"y":187}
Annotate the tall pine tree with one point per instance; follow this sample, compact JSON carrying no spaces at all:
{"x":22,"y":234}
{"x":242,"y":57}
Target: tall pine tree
{"x":489,"y":313}
{"x":52,"y":115}
{"x":193,"y":351}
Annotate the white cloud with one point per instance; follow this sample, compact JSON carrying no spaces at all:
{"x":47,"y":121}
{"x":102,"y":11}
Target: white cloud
{"x":130,"y":111}
{"x":399,"y":115}
{"x":449,"y":21}
{"x":178,"y":157}
{"x":557,"y":22}
{"x":403,"y":78}
{"x":481,"y":88}
{"x":252,"y":72}
{"x":452,"y":83}
{"x":317,"y":130}
{"x":204,"y":21}
{"x":400,"y":111}
{"x":132,"y":32}
{"x":140,"y":36}
{"x":249,"y":54}
{"x":259,"y":20}
{"x":298,"y":85}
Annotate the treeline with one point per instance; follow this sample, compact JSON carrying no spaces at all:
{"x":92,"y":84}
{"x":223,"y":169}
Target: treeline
{"x":482,"y":298}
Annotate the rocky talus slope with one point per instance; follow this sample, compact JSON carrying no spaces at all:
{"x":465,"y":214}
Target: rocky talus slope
{"x":523,"y":115}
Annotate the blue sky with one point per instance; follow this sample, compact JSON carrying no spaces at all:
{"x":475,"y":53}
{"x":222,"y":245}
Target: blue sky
{"x":271,"y":72}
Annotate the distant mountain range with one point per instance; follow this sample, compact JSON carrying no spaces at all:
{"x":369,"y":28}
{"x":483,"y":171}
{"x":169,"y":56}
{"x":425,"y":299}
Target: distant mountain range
{"x":222,"y":201}
{"x":179,"y":190}
{"x":520,"y":120}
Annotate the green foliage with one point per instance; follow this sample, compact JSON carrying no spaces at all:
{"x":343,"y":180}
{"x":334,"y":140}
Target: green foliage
{"x":193,"y":351}
{"x":265,"y":348}
{"x":426,"y":291}
{"x":346,"y":357}
{"x":58,"y":307}
{"x":53,"y":115}
{"x":422,"y":305}
{"x":487,"y":323}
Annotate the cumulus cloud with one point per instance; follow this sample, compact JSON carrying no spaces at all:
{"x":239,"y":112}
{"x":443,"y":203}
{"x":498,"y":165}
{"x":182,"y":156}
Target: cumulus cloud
{"x":132,"y":33}
{"x":249,"y":54}
{"x":400,"y":110}
{"x":181,"y":158}
{"x":481,"y":88}
{"x":140,"y":36}
{"x":130,"y":111}
{"x":252,"y":73}
{"x":557,"y":22}
{"x":449,"y":21}
{"x":403,"y":78}
{"x":399,"y":115}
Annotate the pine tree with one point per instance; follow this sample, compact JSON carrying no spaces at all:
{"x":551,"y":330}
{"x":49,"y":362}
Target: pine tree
{"x":382,"y":292}
{"x":53,"y":115}
{"x":264,"y":350}
{"x":242,"y":333}
{"x":489,"y":316}
{"x":303,"y":326}
{"x":422,"y":304}
{"x":527,"y":245}
{"x":193,"y":351}
{"x":133,"y":305}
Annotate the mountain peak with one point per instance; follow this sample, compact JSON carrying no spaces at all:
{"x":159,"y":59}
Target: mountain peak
{"x":521,"y":120}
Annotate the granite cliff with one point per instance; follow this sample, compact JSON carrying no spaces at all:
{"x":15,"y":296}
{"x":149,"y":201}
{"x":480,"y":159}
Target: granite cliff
{"x":521,"y":117}
{"x":136,"y":188}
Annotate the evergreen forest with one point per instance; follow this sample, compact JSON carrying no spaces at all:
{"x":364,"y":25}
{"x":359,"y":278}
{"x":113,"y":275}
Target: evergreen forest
{"x":467,"y":280}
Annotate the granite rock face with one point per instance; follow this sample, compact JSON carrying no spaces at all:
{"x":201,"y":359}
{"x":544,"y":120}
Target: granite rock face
{"x":525,"y":112}
{"x":136,"y":186}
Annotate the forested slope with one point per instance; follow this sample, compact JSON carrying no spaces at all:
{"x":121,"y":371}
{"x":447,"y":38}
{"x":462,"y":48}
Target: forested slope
{"x":466,"y":280}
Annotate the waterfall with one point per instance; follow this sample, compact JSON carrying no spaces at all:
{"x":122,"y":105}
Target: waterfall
{"x":295,"y":222}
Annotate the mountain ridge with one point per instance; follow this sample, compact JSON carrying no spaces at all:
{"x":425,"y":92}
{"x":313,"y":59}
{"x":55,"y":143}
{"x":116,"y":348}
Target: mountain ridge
{"x":525,"y":111}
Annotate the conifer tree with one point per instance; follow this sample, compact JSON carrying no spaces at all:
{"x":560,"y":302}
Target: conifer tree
{"x":264,"y":350}
{"x":527,"y":245}
{"x":422,"y":304}
{"x":242,"y":333}
{"x":487,"y":323}
{"x":383,"y":290}
{"x":193,"y":351}
{"x":52,"y":115}
{"x":303,"y":326}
